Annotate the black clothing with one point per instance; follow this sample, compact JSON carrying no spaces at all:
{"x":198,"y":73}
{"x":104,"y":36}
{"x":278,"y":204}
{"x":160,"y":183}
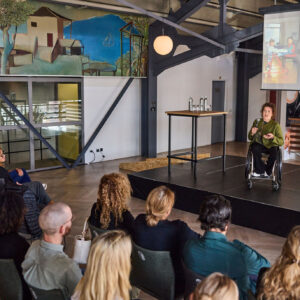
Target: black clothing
{"x":165,"y":236}
{"x":31,"y":217}
{"x":259,"y":282}
{"x":31,"y":201}
{"x":13,"y":246}
{"x":9,"y":182}
{"x":126,"y":224}
{"x":38,"y":190}
{"x":259,"y":166}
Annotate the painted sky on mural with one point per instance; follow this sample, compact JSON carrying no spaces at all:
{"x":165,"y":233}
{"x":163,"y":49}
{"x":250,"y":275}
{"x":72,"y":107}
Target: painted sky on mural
{"x":100,"y":37}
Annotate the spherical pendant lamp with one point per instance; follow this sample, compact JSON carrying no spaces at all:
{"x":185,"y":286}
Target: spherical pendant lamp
{"x":163,"y":44}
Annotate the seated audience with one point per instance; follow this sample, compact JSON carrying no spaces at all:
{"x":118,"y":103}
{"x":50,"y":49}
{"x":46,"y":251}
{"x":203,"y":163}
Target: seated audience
{"x":108,"y":268}
{"x":216,"y":287}
{"x":46,"y":266}
{"x":34,"y":195}
{"x":12,"y":245}
{"x":214,"y":253}
{"x":154,"y":232}
{"x":35,"y":186}
{"x":111,"y":210}
{"x":282,"y":280}
{"x":19,"y":175}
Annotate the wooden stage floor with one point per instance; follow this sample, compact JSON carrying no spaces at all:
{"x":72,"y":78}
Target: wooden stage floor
{"x":258,"y":208}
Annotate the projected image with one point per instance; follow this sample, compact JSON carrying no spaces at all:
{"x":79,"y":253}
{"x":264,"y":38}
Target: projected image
{"x":281,"y":52}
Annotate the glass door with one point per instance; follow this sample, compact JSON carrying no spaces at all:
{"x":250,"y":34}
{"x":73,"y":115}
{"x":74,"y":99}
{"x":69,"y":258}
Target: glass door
{"x":54,"y":108}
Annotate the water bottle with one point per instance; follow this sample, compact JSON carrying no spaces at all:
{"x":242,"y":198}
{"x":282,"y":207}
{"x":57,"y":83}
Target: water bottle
{"x":205,"y":103}
{"x":191,"y":100}
{"x":201,"y":104}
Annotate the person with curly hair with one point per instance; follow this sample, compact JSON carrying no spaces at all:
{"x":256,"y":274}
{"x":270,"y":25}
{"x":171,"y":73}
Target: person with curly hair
{"x":108,"y":268}
{"x":12,"y":245}
{"x":215,"y":253}
{"x":282,"y":280}
{"x":216,"y":286}
{"x":111,"y":209}
{"x":155,"y":232}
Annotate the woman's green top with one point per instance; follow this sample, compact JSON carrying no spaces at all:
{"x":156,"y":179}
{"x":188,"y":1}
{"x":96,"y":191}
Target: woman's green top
{"x":265,"y":128}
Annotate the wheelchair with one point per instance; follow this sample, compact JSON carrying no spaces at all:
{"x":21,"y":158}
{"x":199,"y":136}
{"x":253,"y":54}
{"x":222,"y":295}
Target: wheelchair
{"x":275,"y":177}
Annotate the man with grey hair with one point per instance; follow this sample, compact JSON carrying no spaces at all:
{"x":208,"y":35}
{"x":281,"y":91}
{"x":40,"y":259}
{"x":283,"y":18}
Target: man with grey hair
{"x":46,"y":266}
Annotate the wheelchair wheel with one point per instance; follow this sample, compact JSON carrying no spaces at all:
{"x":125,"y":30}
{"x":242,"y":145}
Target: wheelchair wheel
{"x":248,"y":165}
{"x":279,"y":166}
{"x":275,"y":185}
{"x":249,"y":184}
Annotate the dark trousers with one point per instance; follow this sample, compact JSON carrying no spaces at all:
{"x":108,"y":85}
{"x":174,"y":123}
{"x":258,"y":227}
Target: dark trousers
{"x":259,"y":165}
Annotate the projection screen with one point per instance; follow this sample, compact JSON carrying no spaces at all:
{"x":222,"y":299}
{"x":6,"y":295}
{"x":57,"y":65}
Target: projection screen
{"x":281,"y":51}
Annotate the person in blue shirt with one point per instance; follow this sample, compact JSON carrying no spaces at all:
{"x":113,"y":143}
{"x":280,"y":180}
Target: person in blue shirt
{"x":213,"y":252}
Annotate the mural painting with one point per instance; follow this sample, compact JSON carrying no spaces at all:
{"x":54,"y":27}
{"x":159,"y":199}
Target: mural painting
{"x":53,"y":39}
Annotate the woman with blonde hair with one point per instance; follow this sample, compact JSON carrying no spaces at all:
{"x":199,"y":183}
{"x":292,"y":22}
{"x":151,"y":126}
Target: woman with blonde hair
{"x":108,"y":269}
{"x":111,"y":210}
{"x":154,"y":231}
{"x":282,"y":280}
{"x":216,"y":287}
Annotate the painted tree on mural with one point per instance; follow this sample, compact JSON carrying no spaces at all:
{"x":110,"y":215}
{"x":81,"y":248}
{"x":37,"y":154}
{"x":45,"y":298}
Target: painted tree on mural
{"x":13,"y":13}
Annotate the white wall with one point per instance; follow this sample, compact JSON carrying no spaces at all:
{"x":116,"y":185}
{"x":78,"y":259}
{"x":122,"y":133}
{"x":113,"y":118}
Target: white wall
{"x":120,"y":136}
{"x":257,"y":98}
{"x":194,"y":78}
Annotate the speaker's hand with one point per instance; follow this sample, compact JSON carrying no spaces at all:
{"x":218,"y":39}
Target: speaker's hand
{"x":254,"y":130}
{"x":269,"y":136}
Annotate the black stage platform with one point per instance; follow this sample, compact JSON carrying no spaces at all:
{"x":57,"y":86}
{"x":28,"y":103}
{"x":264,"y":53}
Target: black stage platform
{"x":260,"y":208}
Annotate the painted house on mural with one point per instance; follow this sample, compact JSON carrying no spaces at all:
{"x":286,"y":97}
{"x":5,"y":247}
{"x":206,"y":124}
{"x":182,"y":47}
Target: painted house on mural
{"x":44,"y":39}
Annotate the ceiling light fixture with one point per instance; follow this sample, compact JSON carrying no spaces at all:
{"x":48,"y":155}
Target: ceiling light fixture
{"x":163,"y":44}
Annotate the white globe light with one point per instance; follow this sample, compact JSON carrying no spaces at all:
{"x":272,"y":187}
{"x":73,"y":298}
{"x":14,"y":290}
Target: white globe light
{"x":163,"y":44}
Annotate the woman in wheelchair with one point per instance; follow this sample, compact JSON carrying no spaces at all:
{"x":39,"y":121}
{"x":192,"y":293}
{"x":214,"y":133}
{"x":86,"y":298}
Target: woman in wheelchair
{"x":266,"y":137}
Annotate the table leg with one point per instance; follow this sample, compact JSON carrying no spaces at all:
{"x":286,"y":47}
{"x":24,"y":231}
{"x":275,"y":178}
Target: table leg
{"x":193,"y":139}
{"x":195,"y":149}
{"x":169,"y":147}
{"x":224,"y":144}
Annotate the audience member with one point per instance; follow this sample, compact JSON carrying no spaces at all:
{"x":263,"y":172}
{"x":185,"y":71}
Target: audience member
{"x":111,"y":210}
{"x":108,"y":269}
{"x":282,"y":280}
{"x":216,"y":287}
{"x":12,"y":245}
{"x":46,"y":266}
{"x":34,"y":195}
{"x":154,"y":232}
{"x":18,"y":176}
{"x":214,"y":253}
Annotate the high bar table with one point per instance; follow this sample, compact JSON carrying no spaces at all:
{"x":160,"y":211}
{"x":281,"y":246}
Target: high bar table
{"x":194,"y":115}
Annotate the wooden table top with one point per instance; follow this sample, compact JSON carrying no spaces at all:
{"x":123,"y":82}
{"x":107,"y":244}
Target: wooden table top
{"x":189,"y":113}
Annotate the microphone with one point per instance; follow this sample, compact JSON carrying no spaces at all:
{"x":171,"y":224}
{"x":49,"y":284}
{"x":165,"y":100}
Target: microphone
{"x":257,"y":122}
